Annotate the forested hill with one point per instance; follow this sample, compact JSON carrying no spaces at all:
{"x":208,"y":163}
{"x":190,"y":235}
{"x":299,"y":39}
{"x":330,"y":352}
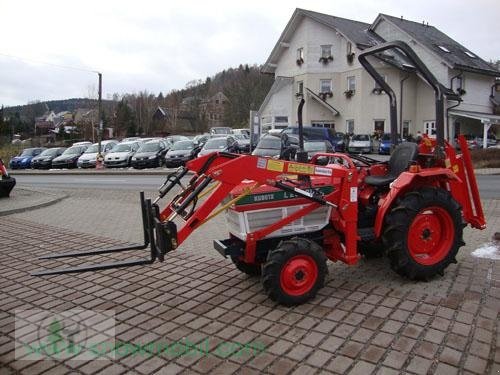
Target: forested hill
{"x":244,"y":86}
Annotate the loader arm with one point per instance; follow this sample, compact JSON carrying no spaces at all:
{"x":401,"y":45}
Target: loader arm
{"x":212,"y":178}
{"x":229,"y":170}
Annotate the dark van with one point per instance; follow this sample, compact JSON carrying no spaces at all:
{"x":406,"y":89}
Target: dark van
{"x":337,"y":139}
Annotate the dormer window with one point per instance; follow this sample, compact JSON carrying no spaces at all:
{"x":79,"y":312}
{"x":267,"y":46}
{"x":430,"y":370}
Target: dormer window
{"x":300,"y":56}
{"x":326,"y":54}
{"x":444,"y":49}
{"x":470,"y":54}
{"x":326,"y":50}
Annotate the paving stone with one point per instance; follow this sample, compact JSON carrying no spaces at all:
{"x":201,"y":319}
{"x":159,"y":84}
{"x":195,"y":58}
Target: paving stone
{"x":366,"y":320}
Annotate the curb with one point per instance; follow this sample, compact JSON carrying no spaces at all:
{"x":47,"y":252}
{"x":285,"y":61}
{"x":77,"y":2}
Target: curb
{"x":55,"y":200}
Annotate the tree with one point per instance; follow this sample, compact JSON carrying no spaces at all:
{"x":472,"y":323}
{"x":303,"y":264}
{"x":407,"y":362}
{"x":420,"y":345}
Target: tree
{"x":124,"y":120}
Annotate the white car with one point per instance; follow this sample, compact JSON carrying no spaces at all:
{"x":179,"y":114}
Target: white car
{"x":121,"y":154}
{"x":89,"y":157}
{"x":361,"y":143}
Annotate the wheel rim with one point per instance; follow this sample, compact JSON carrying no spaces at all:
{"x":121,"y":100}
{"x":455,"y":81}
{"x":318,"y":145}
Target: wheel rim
{"x":431,"y":235}
{"x":299,"y":275}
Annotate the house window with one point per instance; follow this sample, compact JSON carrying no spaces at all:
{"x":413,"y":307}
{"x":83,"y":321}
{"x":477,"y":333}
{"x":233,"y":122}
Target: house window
{"x":444,"y":49}
{"x":323,"y":124}
{"x":351,"y":83}
{"x":470,"y":54}
{"x":281,"y":119}
{"x":300,"y":88}
{"x":379,"y":126}
{"x":430,"y":128}
{"x":325,"y":85}
{"x":349,"y":126}
{"x":300,"y":56}
{"x":326,"y":51}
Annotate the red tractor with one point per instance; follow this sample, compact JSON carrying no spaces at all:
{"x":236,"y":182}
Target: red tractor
{"x":287,"y":218}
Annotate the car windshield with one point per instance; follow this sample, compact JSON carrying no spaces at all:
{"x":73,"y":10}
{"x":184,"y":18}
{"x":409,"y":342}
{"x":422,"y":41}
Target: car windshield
{"x":93,"y":149}
{"x":270,"y":143}
{"x":122,"y":148}
{"x":183,"y":145}
{"x":338,"y":135}
{"x":221,"y":130}
{"x":49,"y":152}
{"x":72,"y":150}
{"x":361,"y":137}
{"x":149,"y":147}
{"x":314,"y":146}
{"x":241,"y":136}
{"x":215,"y":143}
{"x":28,"y":152}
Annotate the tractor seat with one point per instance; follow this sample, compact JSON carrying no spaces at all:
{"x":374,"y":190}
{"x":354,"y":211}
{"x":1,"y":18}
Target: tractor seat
{"x":400,"y":160}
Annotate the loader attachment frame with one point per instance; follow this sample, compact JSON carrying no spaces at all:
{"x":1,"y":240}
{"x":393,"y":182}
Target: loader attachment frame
{"x":217,"y":174}
{"x":154,"y":231}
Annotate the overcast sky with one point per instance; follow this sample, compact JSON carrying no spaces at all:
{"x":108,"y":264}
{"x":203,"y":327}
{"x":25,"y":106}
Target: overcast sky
{"x":161,"y":45}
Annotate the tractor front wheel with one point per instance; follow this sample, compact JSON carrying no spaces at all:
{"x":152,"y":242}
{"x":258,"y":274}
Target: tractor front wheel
{"x":294,"y":271}
{"x":423,"y":233}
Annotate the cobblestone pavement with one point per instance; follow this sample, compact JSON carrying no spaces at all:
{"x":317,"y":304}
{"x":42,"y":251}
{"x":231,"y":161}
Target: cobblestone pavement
{"x":366,"y":319}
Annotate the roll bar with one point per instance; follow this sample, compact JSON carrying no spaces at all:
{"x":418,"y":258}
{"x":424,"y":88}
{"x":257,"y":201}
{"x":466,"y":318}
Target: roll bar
{"x":425,"y":73}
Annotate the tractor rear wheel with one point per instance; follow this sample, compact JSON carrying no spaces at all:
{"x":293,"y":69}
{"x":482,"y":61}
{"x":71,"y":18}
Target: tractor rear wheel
{"x":423,"y":233}
{"x":294,"y":271}
{"x":249,"y":269}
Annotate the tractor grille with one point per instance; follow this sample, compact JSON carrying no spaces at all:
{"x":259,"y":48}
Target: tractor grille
{"x":241,"y":223}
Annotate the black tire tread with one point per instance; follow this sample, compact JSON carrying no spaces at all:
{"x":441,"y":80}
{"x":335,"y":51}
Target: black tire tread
{"x":276,"y":258}
{"x":398,"y":221}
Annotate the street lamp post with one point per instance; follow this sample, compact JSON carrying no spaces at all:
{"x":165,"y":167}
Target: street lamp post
{"x":99,"y":119}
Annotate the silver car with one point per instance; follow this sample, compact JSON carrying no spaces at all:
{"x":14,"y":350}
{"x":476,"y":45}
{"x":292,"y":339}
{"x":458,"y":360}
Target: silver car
{"x":89,"y":157}
{"x":121,"y":154}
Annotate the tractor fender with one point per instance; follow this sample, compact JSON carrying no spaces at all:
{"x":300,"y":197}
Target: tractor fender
{"x":407,"y":181}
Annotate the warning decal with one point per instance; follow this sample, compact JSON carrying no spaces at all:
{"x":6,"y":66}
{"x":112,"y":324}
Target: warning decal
{"x":261,"y":163}
{"x":275,"y":165}
{"x":300,"y":168}
{"x":323,"y":171}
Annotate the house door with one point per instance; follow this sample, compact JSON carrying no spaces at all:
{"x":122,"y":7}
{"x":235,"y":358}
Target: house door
{"x":430,"y":128}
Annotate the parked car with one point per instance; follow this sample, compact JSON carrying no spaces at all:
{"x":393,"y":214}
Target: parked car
{"x":23,"y":160}
{"x":314,"y":146}
{"x":89,"y":157}
{"x":44,"y":160}
{"x":130,"y":139}
{"x":361,"y":143}
{"x":221,"y":144}
{"x":180,"y":153}
{"x":121,"y":154}
{"x":83,"y":143}
{"x":150,"y":155}
{"x":221,"y":130}
{"x":171,"y":139}
{"x":385,"y":143}
{"x":337,"y":139}
{"x":69,"y":158}
{"x":244,"y":131}
{"x":242,"y":142}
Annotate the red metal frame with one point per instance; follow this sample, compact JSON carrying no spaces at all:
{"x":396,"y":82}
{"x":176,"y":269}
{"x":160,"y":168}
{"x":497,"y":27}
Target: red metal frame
{"x":230,"y":172}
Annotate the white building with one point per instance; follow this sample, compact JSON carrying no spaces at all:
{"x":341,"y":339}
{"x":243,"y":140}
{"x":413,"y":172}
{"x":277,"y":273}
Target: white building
{"x":316,"y":58}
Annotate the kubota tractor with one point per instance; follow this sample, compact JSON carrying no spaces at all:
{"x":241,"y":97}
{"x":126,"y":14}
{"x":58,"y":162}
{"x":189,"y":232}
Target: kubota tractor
{"x":287,"y":218}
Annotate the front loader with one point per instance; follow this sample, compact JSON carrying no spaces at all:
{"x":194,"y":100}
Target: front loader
{"x":286,"y":219}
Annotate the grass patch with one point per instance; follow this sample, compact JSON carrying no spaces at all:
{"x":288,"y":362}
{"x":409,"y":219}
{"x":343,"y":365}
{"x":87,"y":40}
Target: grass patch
{"x":486,"y":158}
